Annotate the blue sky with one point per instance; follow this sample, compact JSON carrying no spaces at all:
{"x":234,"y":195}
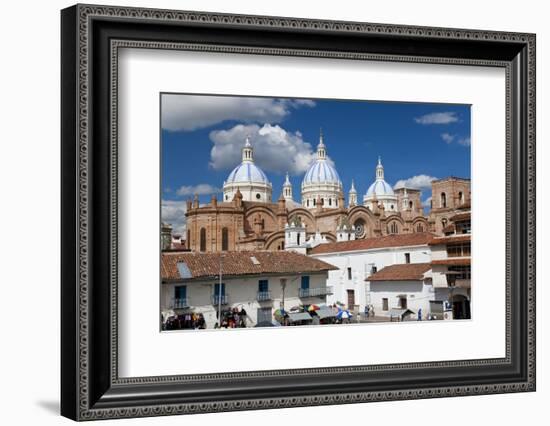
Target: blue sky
{"x":202,"y":137}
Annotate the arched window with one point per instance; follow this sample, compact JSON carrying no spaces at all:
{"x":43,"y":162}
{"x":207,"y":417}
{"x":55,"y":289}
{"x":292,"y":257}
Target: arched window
{"x":225,"y":239}
{"x":392,"y":228}
{"x":298,"y":239}
{"x":419,"y":228}
{"x":443,"y":200}
{"x":336,"y":203}
{"x":203,"y":240}
{"x":410,"y":204}
{"x":330,"y":201}
{"x":314,"y":203}
{"x":307,"y":203}
{"x":460,"y":198}
{"x":188,"y":242}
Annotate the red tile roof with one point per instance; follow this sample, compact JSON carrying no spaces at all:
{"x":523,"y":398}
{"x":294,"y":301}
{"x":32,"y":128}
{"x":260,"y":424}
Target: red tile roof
{"x":453,"y":261}
{"x":461,"y":216}
{"x":401,"y":272}
{"x":395,"y":240}
{"x":460,"y":238}
{"x":206,"y":265}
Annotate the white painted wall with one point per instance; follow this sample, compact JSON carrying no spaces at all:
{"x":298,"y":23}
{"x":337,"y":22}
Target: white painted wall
{"x":248,"y":191}
{"x":418,"y":294}
{"x":241,"y":293}
{"x":361,"y":263}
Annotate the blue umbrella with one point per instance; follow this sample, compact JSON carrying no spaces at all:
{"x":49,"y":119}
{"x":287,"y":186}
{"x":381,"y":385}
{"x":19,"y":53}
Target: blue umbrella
{"x":343,"y":314}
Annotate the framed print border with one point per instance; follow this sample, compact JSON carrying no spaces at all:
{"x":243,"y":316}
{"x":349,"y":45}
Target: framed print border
{"x":91,"y":38}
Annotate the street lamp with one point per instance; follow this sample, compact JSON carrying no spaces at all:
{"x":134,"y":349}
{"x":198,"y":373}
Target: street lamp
{"x":283,"y":287}
{"x":220,"y":294}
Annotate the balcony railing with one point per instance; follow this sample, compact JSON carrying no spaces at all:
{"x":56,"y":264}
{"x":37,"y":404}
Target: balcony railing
{"x":179,"y":303}
{"x":262,"y":296}
{"x":314,"y":292}
{"x":216,"y":299}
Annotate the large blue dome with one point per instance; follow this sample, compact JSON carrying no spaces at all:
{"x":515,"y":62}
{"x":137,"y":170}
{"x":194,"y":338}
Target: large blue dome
{"x":321,"y":172}
{"x":247,"y":172}
{"x":380,"y":188}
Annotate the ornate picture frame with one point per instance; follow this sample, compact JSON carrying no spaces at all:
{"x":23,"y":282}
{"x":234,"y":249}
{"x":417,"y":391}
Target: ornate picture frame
{"x":91,"y":37}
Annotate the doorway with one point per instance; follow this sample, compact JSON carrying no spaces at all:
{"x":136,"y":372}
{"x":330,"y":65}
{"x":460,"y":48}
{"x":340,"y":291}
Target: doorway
{"x":351,"y":299}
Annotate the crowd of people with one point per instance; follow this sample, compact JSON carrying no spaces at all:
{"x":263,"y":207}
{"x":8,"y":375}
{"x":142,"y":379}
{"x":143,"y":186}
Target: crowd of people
{"x":233,"y":318}
{"x":188,"y":321}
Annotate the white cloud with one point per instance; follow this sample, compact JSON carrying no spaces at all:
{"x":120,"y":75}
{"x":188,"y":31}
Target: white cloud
{"x":191,"y":112}
{"x":417,"y":182}
{"x":275,"y":149}
{"x":437,"y":118}
{"x":464,"y":141}
{"x":200,"y":189}
{"x":447,"y":137}
{"x":173,"y":212}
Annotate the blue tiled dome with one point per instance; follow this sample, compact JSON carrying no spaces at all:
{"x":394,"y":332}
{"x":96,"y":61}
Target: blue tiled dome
{"x":380,"y":187}
{"x":321,"y":172}
{"x":247,"y":172}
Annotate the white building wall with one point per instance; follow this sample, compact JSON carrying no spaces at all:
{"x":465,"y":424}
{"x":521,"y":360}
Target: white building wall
{"x":439,"y":252}
{"x":418,"y":294}
{"x":361,"y":263}
{"x":242,"y":293}
{"x":248,"y":191}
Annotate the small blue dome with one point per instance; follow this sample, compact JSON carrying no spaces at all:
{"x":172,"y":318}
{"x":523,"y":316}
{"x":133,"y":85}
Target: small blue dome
{"x":380,"y":188}
{"x":247,"y":172}
{"x":321,"y":172}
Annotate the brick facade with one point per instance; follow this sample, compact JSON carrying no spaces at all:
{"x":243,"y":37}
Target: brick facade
{"x":449,"y":196}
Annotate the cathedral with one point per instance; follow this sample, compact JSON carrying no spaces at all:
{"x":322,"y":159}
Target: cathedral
{"x":247,"y":218}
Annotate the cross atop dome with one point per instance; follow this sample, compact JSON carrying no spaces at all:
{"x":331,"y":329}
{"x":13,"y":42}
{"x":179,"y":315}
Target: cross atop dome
{"x":321,"y":150}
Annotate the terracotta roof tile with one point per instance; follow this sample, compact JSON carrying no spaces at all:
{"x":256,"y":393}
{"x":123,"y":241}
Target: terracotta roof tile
{"x":401,"y":272}
{"x":453,"y":261}
{"x":460,"y":238}
{"x":396,"y":240}
{"x":205,"y":265}
{"x":461,"y":216}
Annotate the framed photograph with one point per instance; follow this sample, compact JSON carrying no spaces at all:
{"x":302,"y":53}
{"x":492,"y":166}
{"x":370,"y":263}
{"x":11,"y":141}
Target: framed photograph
{"x":264,"y":212}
